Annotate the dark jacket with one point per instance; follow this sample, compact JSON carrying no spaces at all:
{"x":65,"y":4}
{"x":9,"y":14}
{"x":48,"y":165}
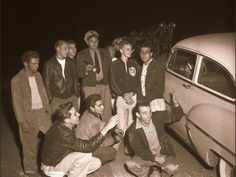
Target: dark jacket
{"x":139,"y":143}
{"x":59,"y":141}
{"x":154,"y":83}
{"x":55,"y":83}
{"x":122,"y":82}
{"x":84,"y":57}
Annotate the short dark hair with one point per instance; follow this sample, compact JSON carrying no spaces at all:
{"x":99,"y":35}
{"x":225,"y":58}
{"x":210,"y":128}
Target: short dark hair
{"x":71,"y":42}
{"x":63,"y":112}
{"x":141,"y":104}
{"x":92,"y":99}
{"x":28,"y":55}
{"x":125,"y":42}
{"x":59,"y":43}
{"x":145,"y":45}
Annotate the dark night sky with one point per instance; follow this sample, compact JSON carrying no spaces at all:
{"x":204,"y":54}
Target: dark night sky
{"x":31,"y":24}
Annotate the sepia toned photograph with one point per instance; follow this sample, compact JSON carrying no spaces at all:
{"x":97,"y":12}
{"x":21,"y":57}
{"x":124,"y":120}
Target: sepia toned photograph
{"x":118,"y":88}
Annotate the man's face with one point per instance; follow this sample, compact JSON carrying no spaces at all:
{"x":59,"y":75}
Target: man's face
{"x":62,"y":50}
{"x":32,"y":65}
{"x":72,"y":50}
{"x":111,"y":51}
{"x":145,"y":54}
{"x":93,"y":43}
{"x":126,"y":50}
{"x":145,"y":115}
{"x":74,"y":117}
{"x":98,"y":108}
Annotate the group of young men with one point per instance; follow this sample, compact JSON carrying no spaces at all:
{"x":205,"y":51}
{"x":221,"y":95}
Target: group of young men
{"x":76,"y":146}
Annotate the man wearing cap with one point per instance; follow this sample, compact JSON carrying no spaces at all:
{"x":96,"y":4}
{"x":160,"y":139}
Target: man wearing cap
{"x":93,"y":67}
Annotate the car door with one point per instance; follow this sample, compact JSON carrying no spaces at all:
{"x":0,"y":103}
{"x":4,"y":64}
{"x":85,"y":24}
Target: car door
{"x":179,"y":79}
{"x":211,"y":120}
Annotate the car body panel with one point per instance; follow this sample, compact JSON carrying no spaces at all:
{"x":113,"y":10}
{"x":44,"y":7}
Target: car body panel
{"x":209,"y":124}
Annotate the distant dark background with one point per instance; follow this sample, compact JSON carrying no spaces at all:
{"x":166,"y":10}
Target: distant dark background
{"x":36,"y":24}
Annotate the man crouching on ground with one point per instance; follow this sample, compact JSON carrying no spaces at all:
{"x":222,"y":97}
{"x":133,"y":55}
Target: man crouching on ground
{"x":91,"y":123}
{"x":63,"y":153}
{"x":152,"y":149}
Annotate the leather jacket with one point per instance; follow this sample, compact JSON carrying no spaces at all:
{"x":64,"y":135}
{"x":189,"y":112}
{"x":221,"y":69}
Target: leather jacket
{"x":59,"y":141}
{"x":55,"y":84}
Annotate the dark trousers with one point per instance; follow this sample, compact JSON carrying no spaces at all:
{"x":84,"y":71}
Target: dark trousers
{"x":29,"y":138}
{"x":105,"y":154}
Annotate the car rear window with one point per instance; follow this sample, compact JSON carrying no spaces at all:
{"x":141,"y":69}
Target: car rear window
{"x":214,"y":76}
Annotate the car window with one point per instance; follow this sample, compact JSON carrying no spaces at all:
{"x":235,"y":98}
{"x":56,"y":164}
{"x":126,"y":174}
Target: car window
{"x":214,"y":76}
{"x":183,"y":63}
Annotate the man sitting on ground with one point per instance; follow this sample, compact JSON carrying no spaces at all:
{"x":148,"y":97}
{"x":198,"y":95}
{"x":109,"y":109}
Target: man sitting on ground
{"x":150,"y":144}
{"x":63,"y":153}
{"x":91,"y":123}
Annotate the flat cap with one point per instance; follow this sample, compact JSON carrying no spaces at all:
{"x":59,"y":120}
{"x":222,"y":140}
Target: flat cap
{"x":89,"y":34}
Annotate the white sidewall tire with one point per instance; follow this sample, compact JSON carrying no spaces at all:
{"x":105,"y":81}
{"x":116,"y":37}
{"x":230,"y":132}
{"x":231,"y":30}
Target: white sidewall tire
{"x":224,"y":168}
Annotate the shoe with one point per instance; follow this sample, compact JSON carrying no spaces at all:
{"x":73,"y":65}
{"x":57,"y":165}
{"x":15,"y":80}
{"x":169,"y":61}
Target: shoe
{"x":170,"y":168}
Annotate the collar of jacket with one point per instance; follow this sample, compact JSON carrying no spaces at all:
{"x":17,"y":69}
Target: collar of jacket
{"x":95,"y":114}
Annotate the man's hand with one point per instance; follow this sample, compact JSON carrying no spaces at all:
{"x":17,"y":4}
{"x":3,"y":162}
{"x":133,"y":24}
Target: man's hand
{"x":174,"y":99}
{"x":119,"y":132}
{"x":110,"y":124}
{"x":89,"y":67}
{"x":128,"y":98}
{"x":160,"y":159}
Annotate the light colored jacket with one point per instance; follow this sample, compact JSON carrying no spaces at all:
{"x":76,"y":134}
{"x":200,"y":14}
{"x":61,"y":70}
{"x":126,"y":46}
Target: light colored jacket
{"x":21,"y":98}
{"x":89,"y":126}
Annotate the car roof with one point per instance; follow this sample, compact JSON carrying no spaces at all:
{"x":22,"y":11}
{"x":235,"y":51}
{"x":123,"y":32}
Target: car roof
{"x":218,"y":46}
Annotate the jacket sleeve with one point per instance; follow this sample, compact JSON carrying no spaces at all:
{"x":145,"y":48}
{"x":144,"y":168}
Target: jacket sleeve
{"x":138,"y":147}
{"x":138,"y":77}
{"x":80,"y":145}
{"x":75,"y":78}
{"x":113,"y":81}
{"x":162,"y":79}
{"x":47,"y":80}
{"x":17,"y":101}
{"x":158,"y":83}
{"x":80,"y":66}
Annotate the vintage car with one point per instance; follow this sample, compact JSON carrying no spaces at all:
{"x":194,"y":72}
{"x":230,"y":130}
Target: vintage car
{"x":201,"y":71}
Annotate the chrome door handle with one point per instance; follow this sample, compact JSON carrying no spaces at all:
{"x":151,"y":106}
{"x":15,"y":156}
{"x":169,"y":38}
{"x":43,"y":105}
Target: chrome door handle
{"x":187,"y":86}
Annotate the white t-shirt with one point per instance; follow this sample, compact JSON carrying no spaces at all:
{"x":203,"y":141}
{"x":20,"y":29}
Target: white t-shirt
{"x":143,"y":77}
{"x":62,"y":63}
{"x":35,"y":97}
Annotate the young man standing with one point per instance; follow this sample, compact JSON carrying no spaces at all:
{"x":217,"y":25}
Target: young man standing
{"x":32,"y":110}
{"x":72,"y":51}
{"x":151,"y":80}
{"x":123,"y":83}
{"x":63,"y":153}
{"x":91,"y":123}
{"x":60,"y":77}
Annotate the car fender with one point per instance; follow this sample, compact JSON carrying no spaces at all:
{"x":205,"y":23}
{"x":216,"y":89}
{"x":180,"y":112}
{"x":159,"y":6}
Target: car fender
{"x":212,"y":128}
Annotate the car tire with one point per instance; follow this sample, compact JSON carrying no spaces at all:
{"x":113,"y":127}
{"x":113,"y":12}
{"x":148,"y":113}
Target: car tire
{"x":226,"y":170}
